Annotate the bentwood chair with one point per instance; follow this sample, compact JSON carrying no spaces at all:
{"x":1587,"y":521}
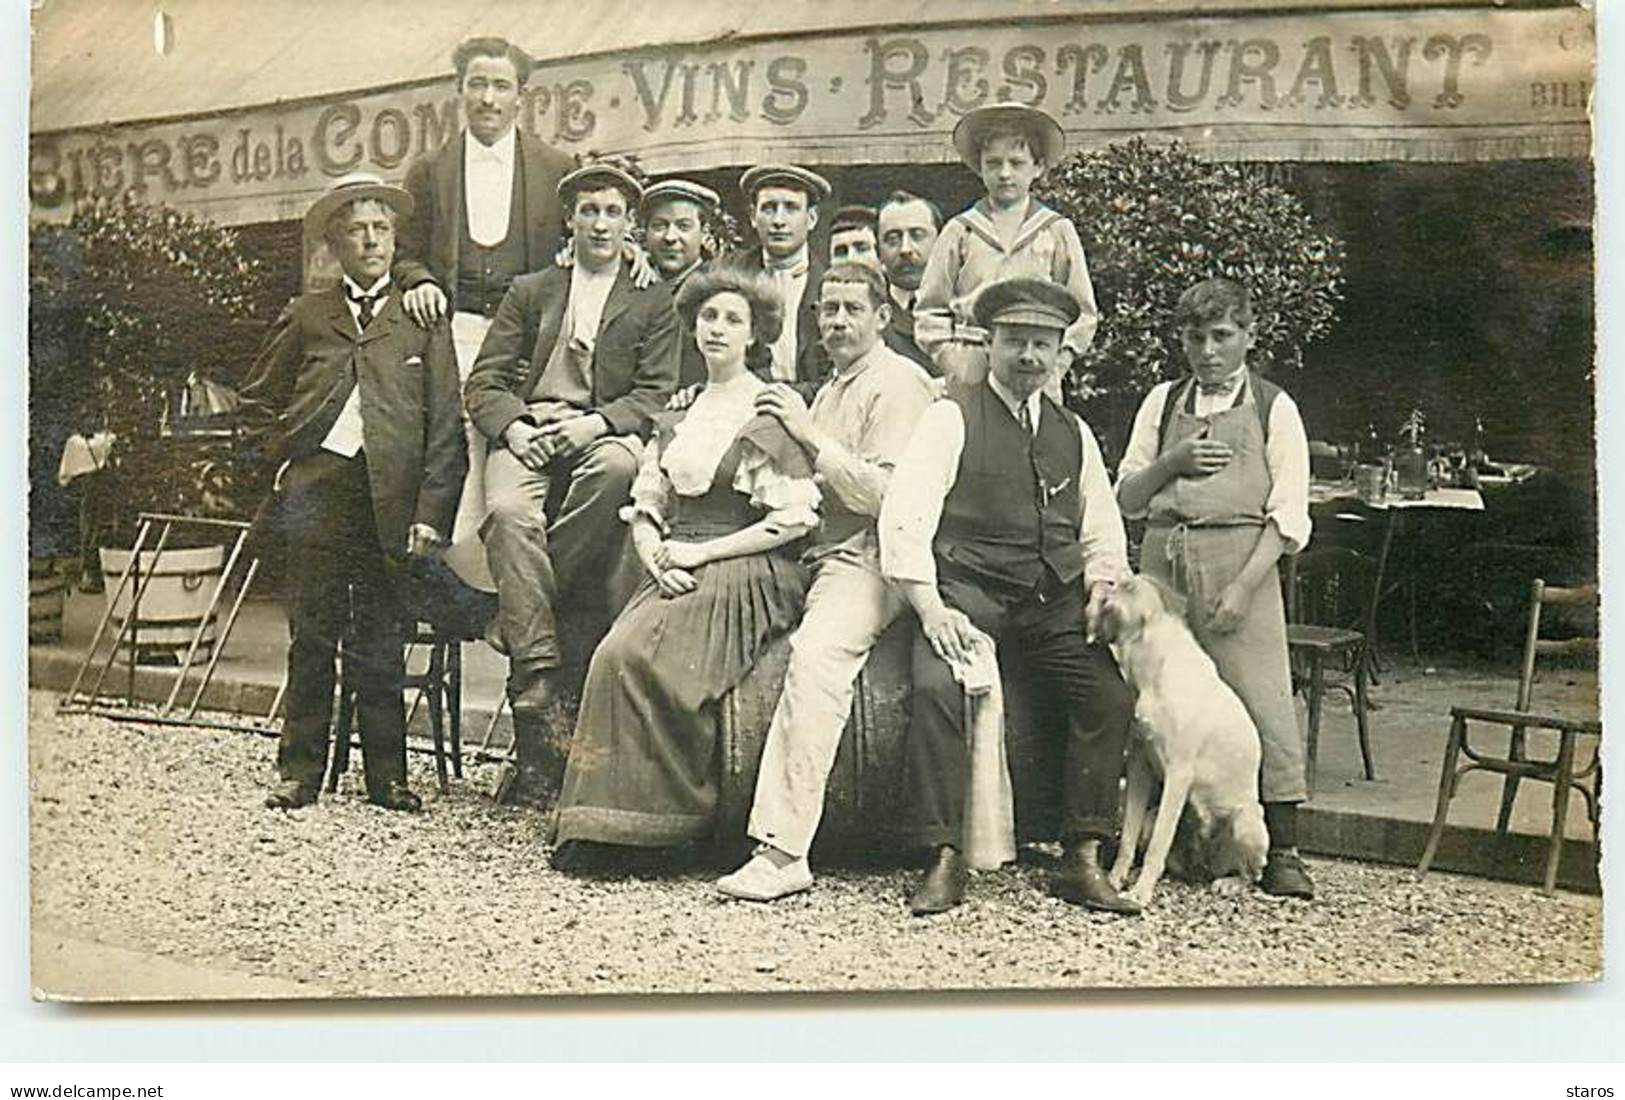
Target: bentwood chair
{"x":445,"y":613}
{"x":1328,"y":594}
{"x":1563,"y":770}
{"x":439,"y":684}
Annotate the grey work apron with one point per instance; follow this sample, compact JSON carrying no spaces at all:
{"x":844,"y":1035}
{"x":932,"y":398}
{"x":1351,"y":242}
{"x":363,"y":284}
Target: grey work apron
{"x":1200,"y":533}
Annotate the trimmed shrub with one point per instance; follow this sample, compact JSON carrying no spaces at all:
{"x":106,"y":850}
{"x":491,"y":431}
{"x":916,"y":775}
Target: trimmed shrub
{"x":1154,"y":220}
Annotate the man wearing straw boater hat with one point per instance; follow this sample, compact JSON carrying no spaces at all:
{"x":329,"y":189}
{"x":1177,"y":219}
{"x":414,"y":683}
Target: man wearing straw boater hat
{"x":999,"y":522}
{"x":360,"y":408}
{"x":576,"y":360}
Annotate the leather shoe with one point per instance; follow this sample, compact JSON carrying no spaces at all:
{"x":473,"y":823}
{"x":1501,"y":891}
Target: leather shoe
{"x":1082,"y":882}
{"x":1285,"y":876}
{"x":943,"y":886}
{"x":290,"y":794}
{"x":762,"y":879}
{"x":396,"y":796}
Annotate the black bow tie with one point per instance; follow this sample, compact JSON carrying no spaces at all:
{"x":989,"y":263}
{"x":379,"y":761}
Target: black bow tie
{"x":367,"y":305}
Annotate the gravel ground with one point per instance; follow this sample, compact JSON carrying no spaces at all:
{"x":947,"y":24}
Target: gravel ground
{"x":154,"y":839}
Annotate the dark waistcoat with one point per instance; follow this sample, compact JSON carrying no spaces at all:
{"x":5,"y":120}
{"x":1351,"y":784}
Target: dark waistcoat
{"x":1011,"y":518}
{"x":484,"y":274}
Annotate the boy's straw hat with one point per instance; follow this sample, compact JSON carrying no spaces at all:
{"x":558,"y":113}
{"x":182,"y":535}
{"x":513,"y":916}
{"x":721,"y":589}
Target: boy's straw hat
{"x":1043,"y":132}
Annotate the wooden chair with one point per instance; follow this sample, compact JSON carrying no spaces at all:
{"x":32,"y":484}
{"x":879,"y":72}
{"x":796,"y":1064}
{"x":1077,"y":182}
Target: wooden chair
{"x":440,"y":684}
{"x":1328,"y":595}
{"x":1515,"y":766}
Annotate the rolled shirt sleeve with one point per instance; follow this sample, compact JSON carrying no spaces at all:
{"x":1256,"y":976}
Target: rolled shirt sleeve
{"x":1286,"y":452}
{"x":925,"y":474}
{"x":1142,"y":438}
{"x":856,"y":461}
{"x":1105,"y":544}
{"x":919,"y":484}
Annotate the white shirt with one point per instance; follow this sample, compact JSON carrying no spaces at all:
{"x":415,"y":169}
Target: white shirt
{"x":488,"y":187}
{"x":344,"y":437}
{"x":1286,"y":453}
{"x":589,"y":290}
{"x":928,"y":469}
{"x":791,"y":281}
{"x":902,"y":299}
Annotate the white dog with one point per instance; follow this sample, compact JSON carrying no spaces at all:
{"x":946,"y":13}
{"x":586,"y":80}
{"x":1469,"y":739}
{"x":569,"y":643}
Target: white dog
{"x":1193,"y":732}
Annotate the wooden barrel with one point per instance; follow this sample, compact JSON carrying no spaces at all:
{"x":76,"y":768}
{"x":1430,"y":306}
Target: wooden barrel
{"x":179,"y":585}
{"x":866,"y":803}
{"x":47,"y":592}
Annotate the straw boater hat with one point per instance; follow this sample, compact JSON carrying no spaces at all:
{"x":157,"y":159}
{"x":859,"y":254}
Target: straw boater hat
{"x":687,"y":190}
{"x":351,"y":188}
{"x":1043,"y":132}
{"x":614,"y":174}
{"x":786,"y":175}
{"x":1025,"y":301}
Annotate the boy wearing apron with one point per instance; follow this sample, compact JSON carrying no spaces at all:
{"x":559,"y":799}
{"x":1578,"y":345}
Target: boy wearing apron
{"x":1218,"y":466}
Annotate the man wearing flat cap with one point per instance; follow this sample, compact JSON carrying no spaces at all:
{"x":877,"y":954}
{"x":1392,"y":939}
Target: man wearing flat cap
{"x":360,"y":409}
{"x":576,"y":360}
{"x":1000,"y":523}
{"x":676,"y":219}
{"x":784,"y":201}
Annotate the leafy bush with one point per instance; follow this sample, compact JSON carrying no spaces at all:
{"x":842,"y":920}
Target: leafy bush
{"x":127,"y":302}
{"x":1156,"y":219}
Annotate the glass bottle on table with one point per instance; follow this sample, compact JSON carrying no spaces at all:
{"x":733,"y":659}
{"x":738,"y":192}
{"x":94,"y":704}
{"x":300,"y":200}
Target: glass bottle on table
{"x":1411,"y":462}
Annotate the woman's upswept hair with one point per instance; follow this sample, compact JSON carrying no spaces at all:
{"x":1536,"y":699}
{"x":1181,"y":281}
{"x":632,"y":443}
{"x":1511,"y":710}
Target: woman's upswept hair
{"x":766,"y":308}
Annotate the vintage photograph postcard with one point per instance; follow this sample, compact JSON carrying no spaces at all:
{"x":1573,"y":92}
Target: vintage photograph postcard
{"x":536,"y":498}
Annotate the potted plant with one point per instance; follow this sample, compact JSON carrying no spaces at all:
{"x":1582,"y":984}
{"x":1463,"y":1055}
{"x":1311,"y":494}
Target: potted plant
{"x":137,"y":313}
{"x":1154,"y":220}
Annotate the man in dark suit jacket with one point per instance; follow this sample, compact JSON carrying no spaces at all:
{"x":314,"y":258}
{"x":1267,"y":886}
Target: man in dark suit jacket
{"x":676,"y":217}
{"x":907,"y":228}
{"x":359,"y":407}
{"x":784,"y":201}
{"x":577,"y":358}
{"x":486,"y":210}
{"x":461,"y":250}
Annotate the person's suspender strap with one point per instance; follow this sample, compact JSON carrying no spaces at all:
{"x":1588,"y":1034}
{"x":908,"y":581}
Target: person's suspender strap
{"x":1264,"y":394}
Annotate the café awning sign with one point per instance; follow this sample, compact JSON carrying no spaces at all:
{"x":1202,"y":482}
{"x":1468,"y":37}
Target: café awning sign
{"x":1431,"y":85}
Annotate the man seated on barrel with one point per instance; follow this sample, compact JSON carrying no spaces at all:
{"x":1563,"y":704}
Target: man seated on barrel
{"x":857,"y":427}
{"x":576,"y":361}
{"x":1000,"y":521}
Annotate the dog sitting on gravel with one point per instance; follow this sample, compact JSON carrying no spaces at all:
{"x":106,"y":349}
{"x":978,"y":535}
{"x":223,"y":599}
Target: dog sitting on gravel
{"x":1192,"y":732}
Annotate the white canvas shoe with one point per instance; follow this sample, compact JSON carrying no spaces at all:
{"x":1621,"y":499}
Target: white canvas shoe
{"x":760,"y":880}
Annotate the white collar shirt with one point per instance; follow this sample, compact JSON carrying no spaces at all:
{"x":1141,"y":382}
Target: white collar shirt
{"x":488,"y":187}
{"x":790,"y":277}
{"x":589,"y":290}
{"x":345,"y":436}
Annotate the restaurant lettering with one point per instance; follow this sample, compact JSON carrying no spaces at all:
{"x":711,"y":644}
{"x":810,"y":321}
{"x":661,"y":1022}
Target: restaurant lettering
{"x":1435,"y":77}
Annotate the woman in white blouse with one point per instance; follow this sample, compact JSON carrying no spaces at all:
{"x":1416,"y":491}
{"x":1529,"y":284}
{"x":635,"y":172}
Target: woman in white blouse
{"x":723,"y":498}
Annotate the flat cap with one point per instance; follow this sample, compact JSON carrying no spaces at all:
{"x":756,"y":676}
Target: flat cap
{"x":786,"y":175}
{"x":1045,"y":134}
{"x":1024,"y":300}
{"x":604,"y":173}
{"x":687,"y":190}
